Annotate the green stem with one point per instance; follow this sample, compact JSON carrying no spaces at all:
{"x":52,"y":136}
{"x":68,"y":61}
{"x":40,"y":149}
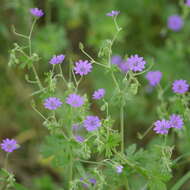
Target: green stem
{"x":37,"y":78}
{"x":127,"y":185}
{"x":30,"y":36}
{"x":92,"y":60}
{"x":62,"y":76}
{"x":115,"y":81}
{"x":6,"y":161}
{"x":34,"y":108}
{"x":70,"y":170}
{"x":78,"y":82}
{"x":122,"y":127}
{"x":30,"y":53}
{"x":20,"y":35}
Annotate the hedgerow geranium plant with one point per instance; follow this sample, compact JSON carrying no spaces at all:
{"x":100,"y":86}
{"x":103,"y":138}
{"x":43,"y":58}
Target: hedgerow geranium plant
{"x":88,"y":150}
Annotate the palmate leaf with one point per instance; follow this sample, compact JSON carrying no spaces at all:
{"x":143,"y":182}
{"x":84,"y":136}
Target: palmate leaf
{"x":131,"y":150}
{"x":57,"y":148}
{"x":107,"y":139}
{"x":156,"y":161}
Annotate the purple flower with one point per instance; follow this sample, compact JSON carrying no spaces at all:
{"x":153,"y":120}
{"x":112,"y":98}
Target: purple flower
{"x":175,"y":23}
{"x":176,"y":121}
{"x":161,"y":126}
{"x":57,"y":59}
{"x":135,"y":63}
{"x":92,"y":180}
{"x":154,"y":77}
{"x":91,"y":123}
{"x":36,"y":12}
{"x":113,"y":13}
{"x":187,"y":3}
{"x":9,"y":145}
{"x":124,"y":66}
{"x":52,"y":103}
{"x":119,"y":169}
{"x":75,"y":100}
{"x":85,"y":185}
{"x":79,"y":138}
{"x":116,"y":60}
{"x":99,"y":94}
{"x":82,"y":67}
{"x":75,"y":127}
{"x":180,"y":86}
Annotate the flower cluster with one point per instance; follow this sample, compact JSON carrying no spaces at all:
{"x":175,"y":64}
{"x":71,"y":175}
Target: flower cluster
{"x":162,"y":126}
{"x":90,"y":123}
{"x":9,"y":145}
{"x":134,"y":63}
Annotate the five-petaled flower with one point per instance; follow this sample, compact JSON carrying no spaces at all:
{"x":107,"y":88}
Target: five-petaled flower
{"x":98,"y":94}
{"x":92,"y":123}
{"x":113,"y":13}
{"x":176,"y":121}
{"x":124,"y":66}
{"x":9,"y":145}
{"x":79,"y":138}
{"x":135,"y":63}
{"x":153,"y":77}
{"x":52,"y":103}
{"x":82,"y":67}
{"x":36,"y":12}
{"x":57,"y":59}
{"x":187,"y":3}
{"x":180,"y":86}
{"x":119,"y":169}
{"x":161,"y":126}
{"x":75,"y":100}
{"x":175,"y":23}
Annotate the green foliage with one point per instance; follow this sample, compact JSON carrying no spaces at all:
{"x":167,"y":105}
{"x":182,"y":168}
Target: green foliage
{"x":7,"y":180}
{"x":49,"y":41}
{"x":144,"y":32}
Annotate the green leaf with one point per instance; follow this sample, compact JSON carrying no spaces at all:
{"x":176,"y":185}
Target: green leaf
{"x":131,"y":149}
{"x":155,"y":184}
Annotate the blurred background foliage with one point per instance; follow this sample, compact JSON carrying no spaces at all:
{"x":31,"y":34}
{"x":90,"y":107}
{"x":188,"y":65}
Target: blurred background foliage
{"x":66,"y":23}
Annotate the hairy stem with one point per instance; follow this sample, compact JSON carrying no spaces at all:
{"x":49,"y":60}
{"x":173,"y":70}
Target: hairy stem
{"x":6,"y":161}
{"x":30,"y":54}
{"x":122,"y":127}
{"x":70,"y":169}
